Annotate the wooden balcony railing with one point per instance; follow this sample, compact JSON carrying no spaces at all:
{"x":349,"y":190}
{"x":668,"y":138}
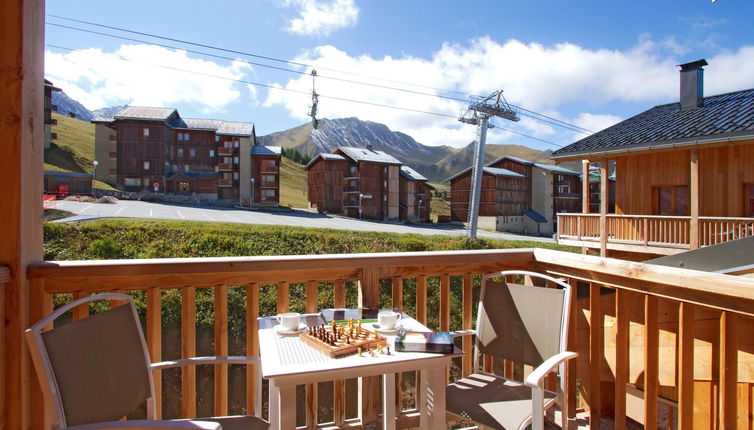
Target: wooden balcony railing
{"x":224,"y":166}
{"x":224,"y":151}
{"x":679,"y":341}
{"x":650,"y":233}
{"x":225,"y":183}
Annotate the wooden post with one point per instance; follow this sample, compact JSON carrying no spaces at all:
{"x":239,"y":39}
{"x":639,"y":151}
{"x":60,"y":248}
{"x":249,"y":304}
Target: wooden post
{"x":596,"y":355}
{"x":21,"y":134}
{"x":651,"y":362}
{"x":188,"y":350}
{"x":584,"y":197}
{"x":339,"y":386}
{"x":253,"y":387}
{"x":369,"y":387}
{"x":221,"y":349}
{"x":621,"y":356}
{"x":468,"y":315}
{"x":154,"y":342}
{"x":694,"y":203}
{"x":728,"y":369}
{"x":283,"y":300}
{"x":604,"y":200}
{"x":421,"y":299}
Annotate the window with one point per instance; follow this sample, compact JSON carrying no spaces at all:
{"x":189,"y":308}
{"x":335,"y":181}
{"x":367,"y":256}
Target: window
{"x":185,"y":167}
{"x":132,"y":182}
{"x":211,"y":152}
{"x":560,"y":178}
{"x":179,"y":153}
{"x":268,"y":193}
{"x":235,"y":144}
{"x":146,"y":132}
{"x":180,"y":137}
{"x":235,"y":175}
{"x":113,"y":155}
{"x":227,"y":144}
{"x":564,"y":189}
{"x":186,"y":137}
{"x":217,"y":138}
{"x":192,"y":153}
{"x":227,"y":160}
{"x":235,"y":160}
{"x":268,"y":178}
{"x":145,"y":182}
{"x":749,"y":200}
{"x":175,"y":167}
{"x":354,"y":169}
{"x":673,"y":200}
{"x":227,"y":175}
{"x":146,"y":165}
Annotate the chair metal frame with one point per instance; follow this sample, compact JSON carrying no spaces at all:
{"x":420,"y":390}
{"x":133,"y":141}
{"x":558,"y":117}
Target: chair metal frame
{"x":536,"y":377}
{"x":53,"y":401}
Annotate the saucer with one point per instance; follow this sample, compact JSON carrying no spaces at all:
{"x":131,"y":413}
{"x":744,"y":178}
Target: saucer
{"x":398,"y":327}
{"x":279,"y":329}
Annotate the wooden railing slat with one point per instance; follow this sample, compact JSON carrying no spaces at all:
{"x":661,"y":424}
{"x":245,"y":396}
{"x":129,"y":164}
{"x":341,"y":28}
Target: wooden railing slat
{"x":468,"y":309}
{"x":221,"y":349}
{"x":397,"y":292}
{"x":622,"y":310}
{"x":445,"y":303}
{"x":80,"y":312}
{"x":421,"y":299}
{"x":188,"y":350}
{"x":282,"y":299}
{"x":596,"y":355}
{"x":312,"y":296}
{"x":685,"y":366}
{"x":339,"y":386}
{"x":339,"y":293}
{"x":728,"y":370}
{"x":154,"y":342}
{"x":253,"y":391}
{"x":651,"y":362}
{"x":572,"y":365}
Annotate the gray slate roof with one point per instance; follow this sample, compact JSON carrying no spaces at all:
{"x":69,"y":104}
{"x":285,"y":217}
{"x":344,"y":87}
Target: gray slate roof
{"x":232,"y":128}
{"x":325,"y":156}
{"x":196,"y":123}
{"x":143,"y":112}
{"x":722,"y":116}
{"x":557,"y":169}
{"x":266,"y":150}
{"x":193,"y":175}
{"x":369,"y":155}
{"x":490,"y":170}
{"x":67,"y":174}
{"x":411,"y":174}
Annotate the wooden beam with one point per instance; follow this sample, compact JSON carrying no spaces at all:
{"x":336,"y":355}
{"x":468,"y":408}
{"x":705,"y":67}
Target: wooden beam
{"x":604,"y":201}
{"x":444,"y":303}
{"x":340,"y":293}
{"x":397,"y":292}
{"x":21,"y":134}
{"x":253,"y":390}
{"x":283,"y":300}
{"x":468,"y":315}
{"x":369,"y":387}
{"x":585,"y":186}
{"x":312,"y":296}
{"x":694,"y":196}
{"x":621,"y":356}
{"x":596,"y":355}
{"x":421,"y":299}
{"x":686,"y":366}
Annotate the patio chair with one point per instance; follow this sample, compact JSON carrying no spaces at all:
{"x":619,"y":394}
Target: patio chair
{"x":525,"y":324}
{"x":95,"y":371}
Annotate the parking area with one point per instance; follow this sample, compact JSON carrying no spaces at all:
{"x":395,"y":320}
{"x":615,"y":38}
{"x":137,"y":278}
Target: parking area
{"x":295,"y":217}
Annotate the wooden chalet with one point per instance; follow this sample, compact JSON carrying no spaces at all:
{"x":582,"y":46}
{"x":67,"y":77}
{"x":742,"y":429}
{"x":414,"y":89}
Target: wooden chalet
{"x":368,"y":181}
{"x":661,"y":346}
{"x":49,"y":88}
{"x":153,"y":149}
{"x":684,"y":175}
{"x":517,"y":195}
{"x":415,"y":196}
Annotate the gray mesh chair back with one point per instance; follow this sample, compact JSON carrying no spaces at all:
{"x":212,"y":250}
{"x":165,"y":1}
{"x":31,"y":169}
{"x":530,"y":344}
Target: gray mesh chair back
{"x":519,"y":322}
{"x":97,"y":367}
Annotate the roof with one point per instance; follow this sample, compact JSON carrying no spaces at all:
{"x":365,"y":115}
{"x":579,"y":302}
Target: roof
{"x":411,"y":174}
{"x":326,"y":157}
{"x":143,"y":112}
{"x":534,"y":215}
{"x":368,"y":155}
{"x":490,"y":170}
{"x":266,"y":150}
{"x":557,"y":169}
{"x":51,"y":86}
{"x":722,"y":116}
{"x":68,"y":174}
{"x":726,"y":257}
{"x":196,"y":123}
{"x":232,"y":128}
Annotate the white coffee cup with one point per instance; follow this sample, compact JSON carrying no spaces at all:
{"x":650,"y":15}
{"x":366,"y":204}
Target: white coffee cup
{"x":388,"y":319}
{"x":290,"y":321}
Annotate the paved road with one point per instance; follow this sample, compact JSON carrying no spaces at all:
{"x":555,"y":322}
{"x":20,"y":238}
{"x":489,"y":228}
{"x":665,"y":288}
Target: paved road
{"x":301,"y":218}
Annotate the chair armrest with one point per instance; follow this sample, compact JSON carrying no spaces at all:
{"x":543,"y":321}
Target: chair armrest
{"x":234,"y":359}
{"x":535,"y":378}
{"x":461,"y":333}
{"x":150,"y":425}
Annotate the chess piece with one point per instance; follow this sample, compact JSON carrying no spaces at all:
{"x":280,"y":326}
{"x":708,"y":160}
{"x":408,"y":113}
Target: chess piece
{"x":360,"y":352}
{"x":379,"y":349}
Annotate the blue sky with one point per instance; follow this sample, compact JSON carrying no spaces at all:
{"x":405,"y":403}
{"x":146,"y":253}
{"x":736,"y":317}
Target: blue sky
{"x":588,"y":63}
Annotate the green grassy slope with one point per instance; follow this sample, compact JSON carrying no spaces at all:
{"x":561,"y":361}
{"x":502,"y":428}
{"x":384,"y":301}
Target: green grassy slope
{"x":292,"y":184}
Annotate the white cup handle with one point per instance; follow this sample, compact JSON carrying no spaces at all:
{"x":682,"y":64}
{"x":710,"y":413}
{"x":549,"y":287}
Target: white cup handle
{"x":400,"y":316}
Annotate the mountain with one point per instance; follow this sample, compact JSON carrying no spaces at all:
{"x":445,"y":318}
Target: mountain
{"x":70,"y":107}
{"x":437,"y":163}
{"x":107,"y":112}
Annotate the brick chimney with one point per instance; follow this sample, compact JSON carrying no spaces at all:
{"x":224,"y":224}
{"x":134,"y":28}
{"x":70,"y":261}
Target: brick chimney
{"x":692,"y":84}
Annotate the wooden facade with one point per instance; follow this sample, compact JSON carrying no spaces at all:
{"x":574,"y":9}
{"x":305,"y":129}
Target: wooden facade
{"x":501,"y":196}
{"x":325,"y":184}
{"x":141,"y":153}
{"x":265,"y":171}
{"x":63,"y":184}
{"x":415,"y":197}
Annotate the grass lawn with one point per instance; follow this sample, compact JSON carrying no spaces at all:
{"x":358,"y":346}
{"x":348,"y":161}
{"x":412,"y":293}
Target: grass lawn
{"x":292,"y":184}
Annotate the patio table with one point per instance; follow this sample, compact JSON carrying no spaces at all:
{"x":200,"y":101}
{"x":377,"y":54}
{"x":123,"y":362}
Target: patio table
{"x":287,"y":362}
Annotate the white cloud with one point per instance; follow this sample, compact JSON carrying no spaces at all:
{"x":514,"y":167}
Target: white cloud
{"x":321,"y":18}
{"x":98,"y":79}
{"x":563,"y":80}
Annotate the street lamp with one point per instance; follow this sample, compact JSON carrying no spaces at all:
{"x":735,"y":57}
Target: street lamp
{"x":252,"y":192}
{"x":360,"y":207}
{"x":94,"y":173}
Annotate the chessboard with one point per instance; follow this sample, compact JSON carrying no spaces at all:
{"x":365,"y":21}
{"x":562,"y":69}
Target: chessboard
{"x":343,"y":339}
